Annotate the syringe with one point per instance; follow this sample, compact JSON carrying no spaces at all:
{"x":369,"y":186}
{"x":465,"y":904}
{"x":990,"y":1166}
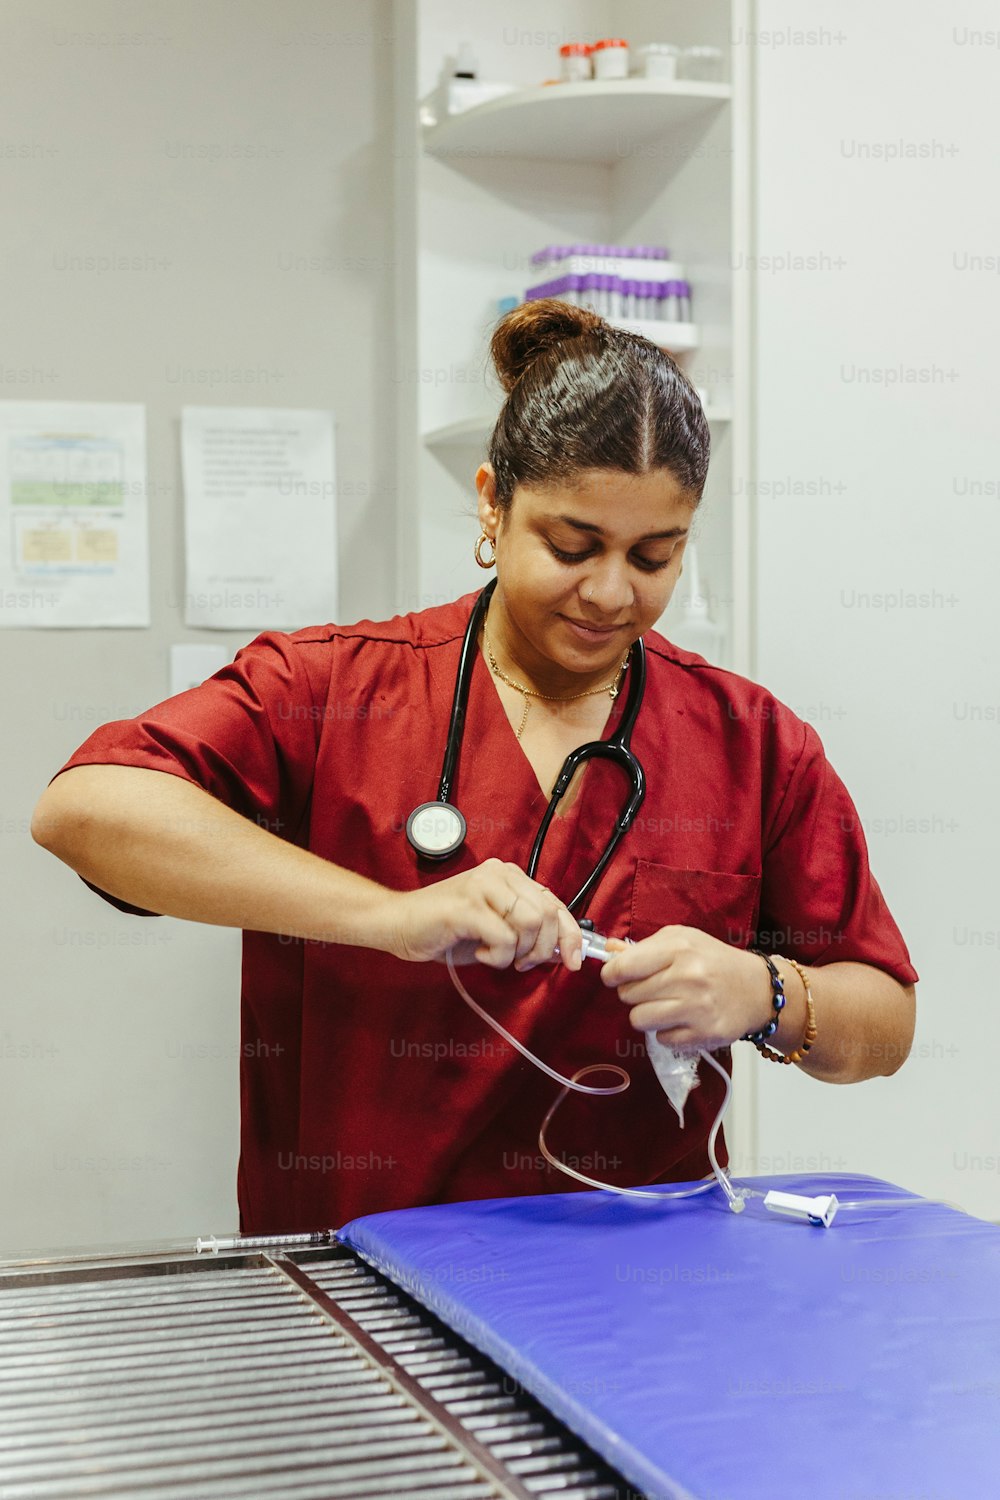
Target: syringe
{"x":264,"y":1241}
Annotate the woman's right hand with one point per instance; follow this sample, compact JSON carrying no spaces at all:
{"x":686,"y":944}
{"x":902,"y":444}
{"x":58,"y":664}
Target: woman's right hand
{"x":494,"y":914}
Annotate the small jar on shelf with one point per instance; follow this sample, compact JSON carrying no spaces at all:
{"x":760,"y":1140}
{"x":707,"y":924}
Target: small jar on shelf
{"x":574,"y":62}
{"x":701,"y":64}
{"x":657,"y":60}
{"x":610,"y":57}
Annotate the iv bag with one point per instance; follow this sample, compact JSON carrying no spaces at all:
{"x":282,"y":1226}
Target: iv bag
{"x":677,"y":1072}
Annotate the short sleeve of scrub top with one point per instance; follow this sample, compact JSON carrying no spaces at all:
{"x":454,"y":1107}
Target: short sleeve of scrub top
{"x":247,"y":736}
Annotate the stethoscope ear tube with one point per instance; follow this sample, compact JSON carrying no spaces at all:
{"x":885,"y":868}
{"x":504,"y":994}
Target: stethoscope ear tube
{"x":460,"y":700}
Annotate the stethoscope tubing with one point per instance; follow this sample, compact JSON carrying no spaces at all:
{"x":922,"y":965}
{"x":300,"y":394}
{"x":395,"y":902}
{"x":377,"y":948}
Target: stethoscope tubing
{"x":460,"y":697}
{"x":616,"y":748}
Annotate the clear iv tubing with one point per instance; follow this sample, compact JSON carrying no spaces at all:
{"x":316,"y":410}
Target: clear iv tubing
{"x":735,"y":1199}
{"x":843,"y":1203}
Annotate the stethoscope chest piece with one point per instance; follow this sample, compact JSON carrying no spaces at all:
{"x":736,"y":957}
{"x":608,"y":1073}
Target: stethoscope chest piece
{"x":436,"y":829}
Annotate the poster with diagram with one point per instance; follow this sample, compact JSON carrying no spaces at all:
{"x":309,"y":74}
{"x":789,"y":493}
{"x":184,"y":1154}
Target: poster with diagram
{"x":73,"y":514}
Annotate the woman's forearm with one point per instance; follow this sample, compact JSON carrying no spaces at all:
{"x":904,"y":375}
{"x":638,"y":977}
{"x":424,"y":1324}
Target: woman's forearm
{"x":864,"y":1021}
{"x":161,"y":843}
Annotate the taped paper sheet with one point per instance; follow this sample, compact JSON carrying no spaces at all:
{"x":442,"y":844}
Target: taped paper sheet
{"x":260,"y":518}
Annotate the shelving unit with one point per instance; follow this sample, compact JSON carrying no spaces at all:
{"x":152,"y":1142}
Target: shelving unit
{"x":477,"y":193}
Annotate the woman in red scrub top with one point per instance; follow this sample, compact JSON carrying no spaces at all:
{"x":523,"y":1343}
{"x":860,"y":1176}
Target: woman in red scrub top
{"x":275,"y":798}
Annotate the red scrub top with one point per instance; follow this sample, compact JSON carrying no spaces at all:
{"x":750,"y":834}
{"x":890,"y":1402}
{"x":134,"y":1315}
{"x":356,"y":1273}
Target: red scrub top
{"x":366,"y":1082}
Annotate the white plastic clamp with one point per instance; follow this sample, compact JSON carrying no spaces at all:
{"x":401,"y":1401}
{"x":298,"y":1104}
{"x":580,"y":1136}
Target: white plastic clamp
{"x":795,"y":1206}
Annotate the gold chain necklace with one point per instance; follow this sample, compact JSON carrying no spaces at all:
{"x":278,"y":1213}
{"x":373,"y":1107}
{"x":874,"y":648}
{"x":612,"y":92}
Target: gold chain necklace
{"x":611,"y":688}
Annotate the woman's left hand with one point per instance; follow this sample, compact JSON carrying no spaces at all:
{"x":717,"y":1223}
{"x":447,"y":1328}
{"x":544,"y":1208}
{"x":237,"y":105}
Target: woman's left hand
{"x":695,"y":990}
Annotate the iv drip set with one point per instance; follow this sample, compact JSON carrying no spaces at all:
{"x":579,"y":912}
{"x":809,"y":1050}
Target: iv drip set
{"x":678,"y":1075}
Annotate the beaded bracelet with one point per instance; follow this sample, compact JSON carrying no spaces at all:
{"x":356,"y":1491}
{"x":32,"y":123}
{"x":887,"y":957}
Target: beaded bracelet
{"x":810,"y":1033}
{"x":777,"y":1000}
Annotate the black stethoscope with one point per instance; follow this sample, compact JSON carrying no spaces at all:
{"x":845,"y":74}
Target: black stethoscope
{"x":437,"y":829}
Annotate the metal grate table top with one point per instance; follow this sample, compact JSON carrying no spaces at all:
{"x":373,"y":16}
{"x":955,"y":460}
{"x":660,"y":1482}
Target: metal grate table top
{"x":294,"y":1376}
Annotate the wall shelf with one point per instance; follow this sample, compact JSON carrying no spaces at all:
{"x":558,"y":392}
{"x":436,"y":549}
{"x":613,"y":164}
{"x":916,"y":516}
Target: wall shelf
{"x":474,"y":432}
{"x":676,"y":338}
{"x":598,"y":122}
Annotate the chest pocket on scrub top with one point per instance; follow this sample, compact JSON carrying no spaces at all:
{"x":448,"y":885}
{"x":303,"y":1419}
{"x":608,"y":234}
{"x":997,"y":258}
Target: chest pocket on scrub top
{"x":719,"y":902}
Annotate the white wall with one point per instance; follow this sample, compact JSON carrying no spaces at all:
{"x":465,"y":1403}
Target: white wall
{"x":876,"y":401}
{"x":122,"y":124}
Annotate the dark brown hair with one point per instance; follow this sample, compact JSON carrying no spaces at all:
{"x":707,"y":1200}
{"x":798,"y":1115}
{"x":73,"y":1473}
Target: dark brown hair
{"x":582,"y":394}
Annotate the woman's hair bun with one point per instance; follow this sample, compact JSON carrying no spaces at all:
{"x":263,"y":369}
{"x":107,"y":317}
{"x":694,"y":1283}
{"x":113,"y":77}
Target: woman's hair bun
{"x":533,"y":328}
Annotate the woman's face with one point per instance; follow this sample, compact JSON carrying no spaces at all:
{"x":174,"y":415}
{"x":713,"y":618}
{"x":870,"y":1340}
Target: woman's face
{"x":585,"y":567}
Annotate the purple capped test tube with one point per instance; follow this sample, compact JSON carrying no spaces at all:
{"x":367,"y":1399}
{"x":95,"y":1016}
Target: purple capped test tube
{"x":589,"y":292}
{"x":559,"y":287}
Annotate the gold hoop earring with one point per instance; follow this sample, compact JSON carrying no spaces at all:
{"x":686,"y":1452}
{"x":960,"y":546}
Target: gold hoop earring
{"x":479,"y":542}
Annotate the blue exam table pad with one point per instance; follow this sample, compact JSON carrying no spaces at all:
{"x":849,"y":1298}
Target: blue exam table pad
{"x":709,"y":1355}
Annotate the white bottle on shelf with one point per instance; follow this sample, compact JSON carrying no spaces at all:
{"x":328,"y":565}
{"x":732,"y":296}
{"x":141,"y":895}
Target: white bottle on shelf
{"x":688,"y":622}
